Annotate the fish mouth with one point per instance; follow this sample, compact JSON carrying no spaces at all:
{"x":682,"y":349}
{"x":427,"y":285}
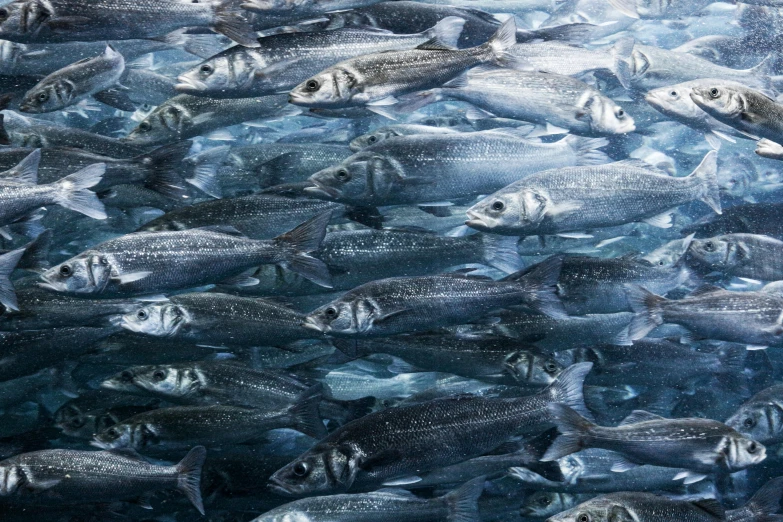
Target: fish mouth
{"x":312,"y":324}
{"x":128,"y":325}
{"x":297,"y":98}
{"x":475,"y":221}
{"x":317,"y":189}
{"x":279,"y":487}
{"x":47,"y":284}
{"x":102,"y":445}
{"x":189,"y":84}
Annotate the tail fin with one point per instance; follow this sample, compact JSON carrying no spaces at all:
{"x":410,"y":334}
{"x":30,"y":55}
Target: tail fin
{"x":647,"y":307}
{"x":586,"y":149}
{"x":189,"y":476}
{"x":573,"y":428}
{"x":36,"y":252}
{"x":499,"y":43}
{"x":165,"y":164}
{"x":205,"y":169}
{"x":621,"y":61}
{"x":764,"y":71}
{"x":576,"y":33}
{"x":8,"y":262}
{"x":540,"y":283}
{"x":230,"y":22}
{"x":627,"y":7}
{"x":463,"y":501}
{"x":766,"y":501}
{"x":446,"y":31}
{"x":72,"y":191}
{"x":26,"y":171}
{"x":415,"y":101}
{"x":202,"y":45}
{"x":707,"y":173}
{"x":305,"y":238}
{"x":501,"y":252}
{"x":568,"y":388}
{"x":305,"y":414}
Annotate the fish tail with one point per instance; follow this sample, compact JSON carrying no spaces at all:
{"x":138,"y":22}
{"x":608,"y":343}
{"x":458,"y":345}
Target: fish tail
{"x":587,"y":149}
{"x":497,"y":47}
{"x":707,"y":174}
{"x":165,"y":163}
{"x":27,"y":169}
{"x":446,"y":31}
{"x":463,"y":501}
{"x":230,"y":22}
{"x":189,"y":476}
{"x":8,"y":262}
{"x":574,"y":430}
{"x":305,"y":414}
{"x":36,"y":252}
{"x":647,"y":307}
{"x":72,"y":191}
{"x":767,"y":501}
{"x":501,"y":252}
{"x":568,"y":388}
{"x":540,"y":285}
{"x":621,"y":61}
{"x":205,"y":170}
{"x":306,"y":238}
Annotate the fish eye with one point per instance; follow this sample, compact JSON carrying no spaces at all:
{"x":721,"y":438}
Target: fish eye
{"x":65,"y":271}
{"x":43,"y":96}
{"x":753,"y":448}
{"x":144,"y":126}
{"x":343,"y":175}
{"x":673,"y":94}
{"x":749,"y":422}
{"x":3,"y":14}
{"x":714,"y":92}
{"x":158,"y":375}
{"x":620,"y":113}
{"x":126,"y":376}
{"x":498,"y":206}
{"x":103,"y":261}
{"x":709,"y":246}
{"x":331,"y":312}
{"x":661,"y":262}
{"x":142,"y":315}
{"x":312,"y":85}
{"x":545,"y":501}
{"x":113,"y":433}
{"x":78,"y":422}
{"x":550,"y":367}
{"x":301,"y":469}
{"x":583,"y":517}
{"x":206,"y":69}
{"x":372,"y":139}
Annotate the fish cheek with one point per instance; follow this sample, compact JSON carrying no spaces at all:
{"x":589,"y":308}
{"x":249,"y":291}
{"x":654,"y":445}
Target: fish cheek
{"x":619,"y":514}
{"x":341,"y":467}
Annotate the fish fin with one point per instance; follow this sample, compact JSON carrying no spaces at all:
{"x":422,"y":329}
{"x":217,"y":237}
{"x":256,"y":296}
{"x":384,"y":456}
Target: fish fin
{"x":705,"y":289}
{"x":389,"y":100}
{"x":67,"y":23}
{"x":433,"y":44}
{"x":305,"y":238}
{"x":713,"y":141}
{"x":647,"y":307}
{"x":72,"y":191}
{"x":623,"y":338}
{"x":463,"y":501}
{"x":499,"y":45}
{"x":568,"y":388}
{"x":663,"y":220}
{"x":415,"y":101}
{"x":447,"y":30}
{"x":5,"y":139}
{"x":586,"y":149}
{"x":573,"y":428}
{"x":621,"y":61}
{"x":640,"y":416}
{"x":189,"y":476}
{"x":756,"y":347}
{"x":767,"y":499}
{"x":165,"y":164}
{"x":242,"y":280}
{"x":205,"y":171}
{"x":115,"y":98}
{"x":712,"y":507}
{"x":501,"y":252}
{"x":457,"y":82}
{"x":131,"y":277}
{"x":203,"y":117}
{"x":566,"y":207}
{"x":349,"y":347}
{"x":627,"y":7}
{"x":27,"y":169}
{"x":474,"y":114}
{"x":36,"y":252}
{"x":42,"y":485}
{"x":144,"y":500}
{"x":382,"y":458}
{"x":8,"y":262}
{"x":532,"y":478}
{"x":732,"y":368}
{"x":724,"y":137}
{"x":540,"y":282}
{"x":436,"y":210}
{"x":621,"y":464}
{"x":575,"y":235}
{"x":383,"y":111}
{"x":230,"y":22}
{"x":403,"y":481}
{"x":707,"y":173}
{"x":306,"y":415}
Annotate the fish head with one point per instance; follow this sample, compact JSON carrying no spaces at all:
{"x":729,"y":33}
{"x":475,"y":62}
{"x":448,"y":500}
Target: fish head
{"x":506,"y":211}
{"x":125,"y":381}
{"x":605,"y":116}
{"x":333,"y":87}
{"x":12,"y":477}
{"x":532,"y":369}
{"x":674,"y":100}
{"x":718,"y":100}
{"x":123,"y":435}
{"x":345,"y":316}
{"x":169,"y":381}
{"x":762,"y":422}
{"x":542,"y":504}
{"x":164,"y":123}
{"x":372,"y":138}
{"x":210,"y":76}
{"x":740,"y":452}
{"x":285,"y":514}
{"x":87,"y":273}
{"x":20,"y":19}
{"x":718,"y":252}
{"x":599,"y":509}
{"x":350,"y":180}
{"x":47,"y":96}
{"x":158,"y":319}
{"x":324,"y":469}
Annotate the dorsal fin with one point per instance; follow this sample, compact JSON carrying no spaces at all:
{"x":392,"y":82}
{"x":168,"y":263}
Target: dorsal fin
{"x":704,"y":290}
{"x":640,"y":416}
{"x":711,"y":506}
{"x":433,"y":44}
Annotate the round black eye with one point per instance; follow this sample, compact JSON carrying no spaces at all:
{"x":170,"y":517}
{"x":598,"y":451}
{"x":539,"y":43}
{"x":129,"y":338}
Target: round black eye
{"x":709,"y":246}
{"x":206,"y":68}
{"x":3,"y":14}
{"x":112,"y":432}
{"x":126,"y":376}
{"x":372,"y":139}
{"x":749,"y":422}
{"x":673,"y":93}
{"x":312,"y":85}
{"x":752,"y":448}
{"x":144,"y":126}
{"x":159,"y":375}
{"x":343,"y":175}
{"x":583,"y":517}
{"x":43,"y":96}
{"x":78,"y":422}
{"x":65,"y":271}
{"x":301,"y":469}
{"x":620,"y":113}
{"x":661,"y":263}
{"x":330,"y":313}
{"x":104,"y":261}
{"x":550,"y":367}
{"x":142,"y":315}
{"x":714,"y":92}
{"x":498,"y":205}
{"x":544,"y":501}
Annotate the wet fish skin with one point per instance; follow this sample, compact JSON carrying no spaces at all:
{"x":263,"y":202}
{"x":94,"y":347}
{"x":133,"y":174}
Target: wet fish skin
{"x":398,"y":442}
{"x":569,"y":199}
{"x":148,"y":262}
{"x":390,"y":131}
{"x":760,"y":416}
{"x":74,"y":476}
{"x":740,"y":255}
{"x":542,"y":504}
{"x":644,"y":507}
{"x":740,"y":107}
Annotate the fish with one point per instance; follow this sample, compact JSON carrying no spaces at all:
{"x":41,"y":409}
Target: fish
{"x":761,"y":505}
{"x":643,"y":507}
{"x":739,"y":255}
{"x":579,"y":198}
{"x":759,"y":416}
{"x":701,"y":446}
{"x":391,"y":131}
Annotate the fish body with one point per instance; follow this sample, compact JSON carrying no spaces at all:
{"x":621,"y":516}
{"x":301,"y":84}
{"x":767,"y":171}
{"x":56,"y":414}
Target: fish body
{"x":643,"y":507}
{"x":740,"y":255}
{"x":745,"y":109}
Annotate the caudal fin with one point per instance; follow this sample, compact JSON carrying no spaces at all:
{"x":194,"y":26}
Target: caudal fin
{"x":647,"y":307}
{"x":586,"y":149}
{"x":766,"y":501}
{"x":8,"y":262}
{"x":463,"y":502}
{"x":447,"y":31}
{"x":230,"y":22}
{"x":189,"y":476}
{"x":540,"y":283}
{"x":574,"y":430}
{"x":621,"y":61}
{"x":205,"y":166}
{"x":305,"y":413}
{"x":306,"y":238}
{"x":498,"y":46}
{"x":568,"y":388}
{"x":164,"y":165}
{"x":501,"y":252}
{"x":707,"y":173}
{"x":72,"y":191}
{"x":36,"y":252}
{"x":26,"y":171}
